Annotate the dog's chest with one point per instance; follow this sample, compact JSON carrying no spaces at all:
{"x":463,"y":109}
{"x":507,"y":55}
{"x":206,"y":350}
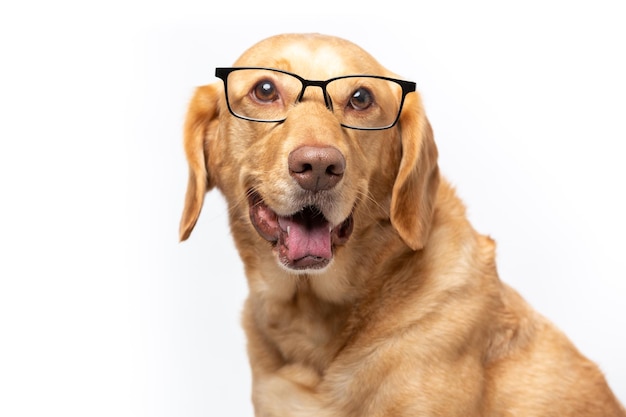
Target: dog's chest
{"x":306,"y":330}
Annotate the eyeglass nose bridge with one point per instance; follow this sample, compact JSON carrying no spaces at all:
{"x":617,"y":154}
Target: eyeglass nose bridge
{"x":321,"y":84}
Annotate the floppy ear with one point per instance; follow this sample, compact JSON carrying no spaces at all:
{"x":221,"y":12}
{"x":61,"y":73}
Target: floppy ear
{"x":415,"y":188}
{"x":200,"y":127}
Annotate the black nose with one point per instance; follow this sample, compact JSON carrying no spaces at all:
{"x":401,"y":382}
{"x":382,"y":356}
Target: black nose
{"x":316,"y":168}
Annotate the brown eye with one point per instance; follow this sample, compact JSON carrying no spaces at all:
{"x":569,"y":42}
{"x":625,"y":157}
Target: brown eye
{"x":361,"y":99}
{"x":265,"y":91}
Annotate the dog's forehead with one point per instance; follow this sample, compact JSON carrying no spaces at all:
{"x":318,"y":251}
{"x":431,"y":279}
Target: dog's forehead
{"x":311,"y":56}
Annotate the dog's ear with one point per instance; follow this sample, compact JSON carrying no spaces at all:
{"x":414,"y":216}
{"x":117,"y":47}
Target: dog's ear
{"x":415,"y":187}
{"x":200,"y":128}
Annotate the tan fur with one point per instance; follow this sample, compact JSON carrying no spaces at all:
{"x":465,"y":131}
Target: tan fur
{"x":410,"y":319}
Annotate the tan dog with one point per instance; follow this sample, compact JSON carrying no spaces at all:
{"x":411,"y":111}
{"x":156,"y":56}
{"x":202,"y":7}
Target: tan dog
{"x":370,"y":293}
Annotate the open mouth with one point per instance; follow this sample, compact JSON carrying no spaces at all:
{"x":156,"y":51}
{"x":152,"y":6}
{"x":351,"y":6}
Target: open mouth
{"x":303,"y":240}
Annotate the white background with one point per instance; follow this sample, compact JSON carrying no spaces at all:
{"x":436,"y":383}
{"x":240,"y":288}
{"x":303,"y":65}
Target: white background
{"x":103,"y":313}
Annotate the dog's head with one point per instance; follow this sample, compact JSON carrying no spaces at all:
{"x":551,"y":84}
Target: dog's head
{"x":312,"y":142}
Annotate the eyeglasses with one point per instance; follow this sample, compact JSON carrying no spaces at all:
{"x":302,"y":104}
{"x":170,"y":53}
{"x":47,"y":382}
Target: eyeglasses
{"x":364,"y":102}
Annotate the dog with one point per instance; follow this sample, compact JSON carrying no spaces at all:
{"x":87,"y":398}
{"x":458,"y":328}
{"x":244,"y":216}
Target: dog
{"x":370,"y":294}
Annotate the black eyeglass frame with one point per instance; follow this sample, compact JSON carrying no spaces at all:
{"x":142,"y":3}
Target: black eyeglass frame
{"x":406,"y":86}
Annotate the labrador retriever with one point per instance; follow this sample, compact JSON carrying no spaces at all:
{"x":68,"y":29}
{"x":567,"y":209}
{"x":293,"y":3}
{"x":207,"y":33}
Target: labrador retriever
{"x":370,"y":292}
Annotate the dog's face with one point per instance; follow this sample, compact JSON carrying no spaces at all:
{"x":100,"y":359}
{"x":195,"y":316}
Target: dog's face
{"x":303,"y":185}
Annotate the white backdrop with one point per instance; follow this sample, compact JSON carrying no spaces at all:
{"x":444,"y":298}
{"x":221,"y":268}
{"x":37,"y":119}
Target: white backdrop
{"x":103,"y":313}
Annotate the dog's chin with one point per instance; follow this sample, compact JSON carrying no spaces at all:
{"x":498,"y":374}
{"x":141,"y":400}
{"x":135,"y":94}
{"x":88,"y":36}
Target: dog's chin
{"x":304,"y":241}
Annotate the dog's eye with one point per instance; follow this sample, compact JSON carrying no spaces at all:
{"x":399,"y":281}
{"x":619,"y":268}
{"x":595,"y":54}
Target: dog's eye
{"x":361,"y":99}
{"x":265,"y":91}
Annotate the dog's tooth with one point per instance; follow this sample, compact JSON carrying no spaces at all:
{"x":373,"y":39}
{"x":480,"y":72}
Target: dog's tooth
{"x":288,"y":230}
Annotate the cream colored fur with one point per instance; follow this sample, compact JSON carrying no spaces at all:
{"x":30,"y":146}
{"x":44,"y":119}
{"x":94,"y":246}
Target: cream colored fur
{"x":410,"y":318}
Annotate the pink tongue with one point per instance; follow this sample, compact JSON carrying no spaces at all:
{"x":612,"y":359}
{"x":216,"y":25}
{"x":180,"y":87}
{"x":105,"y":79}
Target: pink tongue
{"x":306,"y":237}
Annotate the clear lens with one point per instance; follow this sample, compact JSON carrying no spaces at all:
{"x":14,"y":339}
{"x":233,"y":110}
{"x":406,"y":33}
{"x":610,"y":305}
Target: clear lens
{"x":362,"y":102}
{"x":262,"y":95}
{"x":365,"y":102}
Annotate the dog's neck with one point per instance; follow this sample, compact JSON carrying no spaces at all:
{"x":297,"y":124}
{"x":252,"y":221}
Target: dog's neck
{"x":309,"y":319}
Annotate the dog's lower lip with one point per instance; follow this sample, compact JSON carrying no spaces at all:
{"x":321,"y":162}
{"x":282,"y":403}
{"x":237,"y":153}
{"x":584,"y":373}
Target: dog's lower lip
{"x":309,"y":262}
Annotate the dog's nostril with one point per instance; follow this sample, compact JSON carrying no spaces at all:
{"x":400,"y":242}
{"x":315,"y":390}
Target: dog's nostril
{"x":334,"y":170}
{"x":316,"y":168}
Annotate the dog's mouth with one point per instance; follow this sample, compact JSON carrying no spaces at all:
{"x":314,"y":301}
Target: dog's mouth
{"x":303,"y":240}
